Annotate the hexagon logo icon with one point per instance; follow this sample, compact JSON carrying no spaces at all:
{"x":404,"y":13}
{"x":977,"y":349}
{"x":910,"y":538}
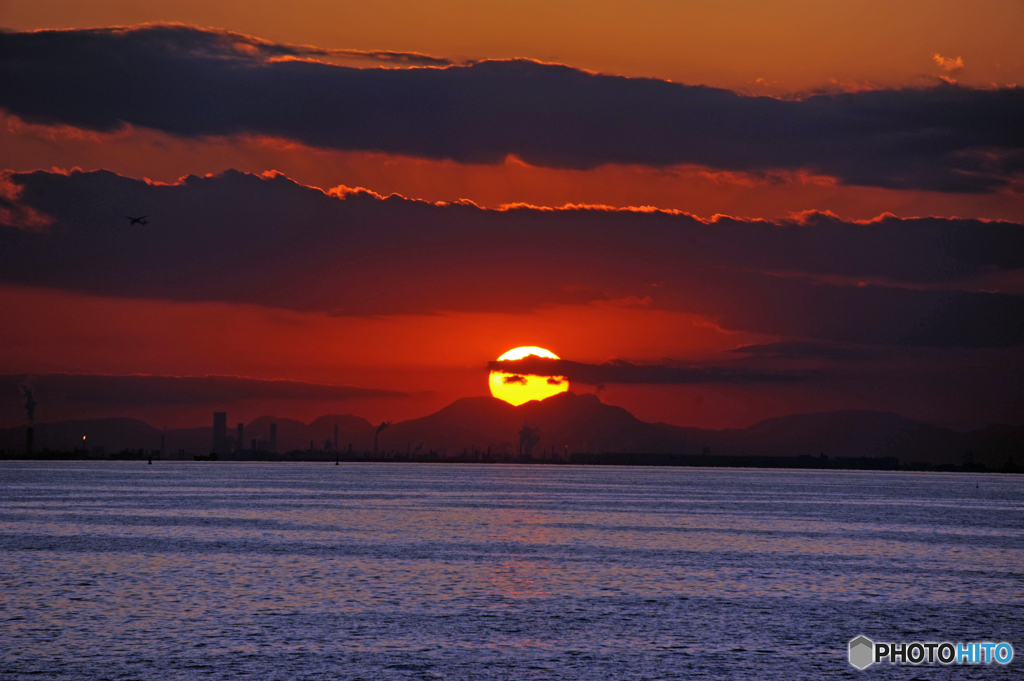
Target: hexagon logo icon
{"x":862,"y":652}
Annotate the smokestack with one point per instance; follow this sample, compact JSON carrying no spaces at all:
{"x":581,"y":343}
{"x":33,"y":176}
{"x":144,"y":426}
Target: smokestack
{"x":335,"y":435}
{"x":29,"y":436}
{"x":381,"y":427}
{"x":273,"y":438}
{"x":239,"y":441}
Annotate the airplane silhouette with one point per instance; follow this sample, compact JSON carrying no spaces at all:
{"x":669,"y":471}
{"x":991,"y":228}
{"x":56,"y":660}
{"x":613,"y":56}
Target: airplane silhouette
{"x":137,"y":221}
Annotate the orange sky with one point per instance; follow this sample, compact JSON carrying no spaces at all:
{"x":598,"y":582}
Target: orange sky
{"x":791,"y":46}
{"x":437,"y":357}
{"x":780,"y":49}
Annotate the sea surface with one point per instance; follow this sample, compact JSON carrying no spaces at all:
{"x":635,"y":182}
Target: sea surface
{"x":225,"y":570}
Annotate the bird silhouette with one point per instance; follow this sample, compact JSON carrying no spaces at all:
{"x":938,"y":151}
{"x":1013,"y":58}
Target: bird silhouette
{"x":137,"y":221}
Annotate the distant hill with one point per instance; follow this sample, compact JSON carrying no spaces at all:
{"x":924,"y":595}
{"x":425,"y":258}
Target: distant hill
{"x":584,"y":424}
{"x":579,"y":423}
{"x":866,"y":433}
{"x":838,"y":433}
{"x":116,"y":434}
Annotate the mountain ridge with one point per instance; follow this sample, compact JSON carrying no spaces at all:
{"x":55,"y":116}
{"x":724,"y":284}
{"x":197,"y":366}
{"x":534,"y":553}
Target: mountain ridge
{"x":564,"y":423}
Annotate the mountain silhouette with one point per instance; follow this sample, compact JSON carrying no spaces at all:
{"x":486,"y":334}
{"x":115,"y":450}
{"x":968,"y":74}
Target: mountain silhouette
{"x":839,"y":433}
{"x":578,"y":422}
{"x":582,"y":423}
{"x":573,"y":423}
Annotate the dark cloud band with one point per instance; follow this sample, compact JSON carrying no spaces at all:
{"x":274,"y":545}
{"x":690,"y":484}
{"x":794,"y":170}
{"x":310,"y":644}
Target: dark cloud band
{"x":193,"y":82}
{"x":269,"y":241}
{"x":179,"y":390}
{"x":803,"y":350}
{"x":624,"y":372}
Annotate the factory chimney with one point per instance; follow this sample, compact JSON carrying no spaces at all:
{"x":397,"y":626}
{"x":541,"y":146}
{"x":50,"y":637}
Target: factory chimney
{"x":381,"y":427}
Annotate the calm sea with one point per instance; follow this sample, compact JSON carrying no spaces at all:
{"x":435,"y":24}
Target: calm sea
{"x":122,"y":570}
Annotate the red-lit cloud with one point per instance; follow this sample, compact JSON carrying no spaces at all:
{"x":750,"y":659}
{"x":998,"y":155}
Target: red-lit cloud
{"x":948,"y":64}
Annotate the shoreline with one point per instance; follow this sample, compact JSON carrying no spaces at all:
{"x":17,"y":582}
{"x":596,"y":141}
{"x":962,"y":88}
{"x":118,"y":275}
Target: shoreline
{"x":803,"y":462}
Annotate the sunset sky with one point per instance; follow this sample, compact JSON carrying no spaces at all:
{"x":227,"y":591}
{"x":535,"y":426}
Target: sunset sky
{"x":713,"y":213}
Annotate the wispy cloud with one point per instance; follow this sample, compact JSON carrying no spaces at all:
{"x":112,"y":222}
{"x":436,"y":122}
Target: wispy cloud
{"x":948,"y":64}
{"x":805,"y":350}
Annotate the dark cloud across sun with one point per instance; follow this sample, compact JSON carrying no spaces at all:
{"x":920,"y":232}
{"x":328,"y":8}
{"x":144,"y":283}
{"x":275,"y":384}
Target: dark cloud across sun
{"x":620,"y":371}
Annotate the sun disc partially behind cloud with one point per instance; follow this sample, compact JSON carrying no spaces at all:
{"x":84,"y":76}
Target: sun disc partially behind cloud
{"x":518,"y":389}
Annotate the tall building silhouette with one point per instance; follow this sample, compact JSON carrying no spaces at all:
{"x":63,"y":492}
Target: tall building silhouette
{"x":221,"y":442}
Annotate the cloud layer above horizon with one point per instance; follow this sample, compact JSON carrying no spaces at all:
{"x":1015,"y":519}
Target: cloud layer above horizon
{"x":269,"y":241}
{"x":151,"y":391}
{"x":620,"y":371}
{"x":201,"y":82}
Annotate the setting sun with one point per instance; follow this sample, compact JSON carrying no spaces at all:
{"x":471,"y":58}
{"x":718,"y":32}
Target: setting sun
{"x":521,"y":388}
